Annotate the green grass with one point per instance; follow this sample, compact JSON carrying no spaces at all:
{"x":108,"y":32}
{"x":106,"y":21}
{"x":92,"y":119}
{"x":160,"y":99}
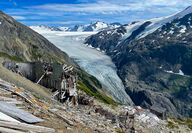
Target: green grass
{"x":118,"y":131}
{"x":96,"y":82}
{"x":36,"y":55}
{"x":12,"y":58}
{"x":187,"y":122}
{"x":81,"y":86}
{"x":36,"y":96}
{"x":56,"y":59}
{"x":90,"y":85}
{"x":87,"y":79}
{"x":172,"y":125}
{"x":179,"y":85}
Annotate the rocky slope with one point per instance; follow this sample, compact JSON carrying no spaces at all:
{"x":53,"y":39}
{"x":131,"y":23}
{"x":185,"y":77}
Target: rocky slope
{"x":154,"y":60}
{"x":59,"y":118}
{"x":18,"y":40}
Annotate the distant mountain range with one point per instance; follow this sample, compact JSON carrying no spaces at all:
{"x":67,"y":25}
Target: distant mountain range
{"x":93,"y":27}
{"x":154,"y":60}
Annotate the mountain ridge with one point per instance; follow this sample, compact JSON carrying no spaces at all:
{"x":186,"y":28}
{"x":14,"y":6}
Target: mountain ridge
{"x":93,"y":27}
{"x":153,"y":60}
{"x":19,"y":40}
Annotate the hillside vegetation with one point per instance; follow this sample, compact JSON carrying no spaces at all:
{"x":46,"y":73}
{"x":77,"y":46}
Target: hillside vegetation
{"x":19,"y":43}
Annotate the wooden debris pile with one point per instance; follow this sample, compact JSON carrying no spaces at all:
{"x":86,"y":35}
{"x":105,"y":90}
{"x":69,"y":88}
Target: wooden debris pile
{"x":62,"y":79}
{"x":68,"y":85}
{"x":13,"y":119}
{"x":83,"y":99}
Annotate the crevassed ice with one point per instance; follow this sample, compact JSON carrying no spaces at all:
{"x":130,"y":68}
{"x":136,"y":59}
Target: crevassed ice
{"x":91,"y":60}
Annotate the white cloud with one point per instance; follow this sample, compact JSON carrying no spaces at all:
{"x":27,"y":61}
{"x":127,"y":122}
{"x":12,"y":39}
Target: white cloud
{"x":123,"y":11}
{"x":13,"y":2}
{"x":98,"y":7}
{"x":112,"y":6}
{"x":51,"y":22}
{"x":19,"y":17}
{"x":70,"y":22}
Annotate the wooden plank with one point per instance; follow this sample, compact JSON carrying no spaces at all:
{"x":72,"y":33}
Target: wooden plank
{"x":62,"y":117}
{"x":2,"y":98}
{"x":4,"y":92}
{"x":23,"y":96}
{"x":12,"y":89}
{"x":19,"y":114}
{"x":6,"y":85}
{"x":8,"y":130}
{"x":26,"y":127}
{"x":14,"y":102}
{"x":7,"y":118}
{"x":10,"y":100}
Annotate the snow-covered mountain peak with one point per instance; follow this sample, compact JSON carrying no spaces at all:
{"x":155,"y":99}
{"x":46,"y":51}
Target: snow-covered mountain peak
{"x":45,"y":28}
{"x":154,"y":24}
{"x":137,"y":30}
{"x":63,"y":28}
{"x":93,"y":27}
{"x":97,"y":26}
{"x":100,"y":23}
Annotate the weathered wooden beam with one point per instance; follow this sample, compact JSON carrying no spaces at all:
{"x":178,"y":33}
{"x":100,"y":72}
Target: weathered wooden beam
{"x":11,"y":89}
{"x":41,"y":77}
{"x":8,"y":130}
{"x":10,"y":100}
{"x":26,"y":127}
{"x":4,"y":92}
{"x":19,"y":114}
{"x":5,"y":117}
{"x":63,"y":118}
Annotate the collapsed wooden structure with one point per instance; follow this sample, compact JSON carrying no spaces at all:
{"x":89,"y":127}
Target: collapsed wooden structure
{"x":159,"y":111}
{"x":62,"y":79}
{"x":68,"y":87}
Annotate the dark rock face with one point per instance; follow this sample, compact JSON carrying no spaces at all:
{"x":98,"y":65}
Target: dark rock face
{"x":137,"y":31}
{"x":150,"y":66}
{"x":18,"y":40}
{"x":107,"y":40}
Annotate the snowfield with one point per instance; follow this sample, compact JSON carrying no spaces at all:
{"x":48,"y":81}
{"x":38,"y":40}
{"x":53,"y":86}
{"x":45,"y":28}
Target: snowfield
{"x":155,"y":24}
{"x":89,"y":59}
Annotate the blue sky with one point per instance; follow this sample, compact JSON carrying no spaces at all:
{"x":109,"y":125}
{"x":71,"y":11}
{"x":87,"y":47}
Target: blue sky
{"x":72,"y":12}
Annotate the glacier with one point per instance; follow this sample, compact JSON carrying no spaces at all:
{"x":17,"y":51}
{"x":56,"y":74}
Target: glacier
{"x":90,"y":60}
